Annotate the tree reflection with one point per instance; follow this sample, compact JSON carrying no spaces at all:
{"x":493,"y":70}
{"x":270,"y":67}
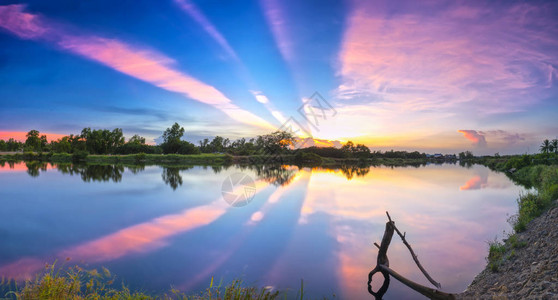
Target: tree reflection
{"x":135,"y":169}
{"x":351,"y":171}
{"x":278,"y":175}
{"x":33,"y":167}
{"x":171,"y":176}
{"x":93,"y":172}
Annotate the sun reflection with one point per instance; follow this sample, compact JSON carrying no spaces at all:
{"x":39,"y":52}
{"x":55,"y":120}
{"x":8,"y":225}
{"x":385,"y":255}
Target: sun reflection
{"x":139,"y":238}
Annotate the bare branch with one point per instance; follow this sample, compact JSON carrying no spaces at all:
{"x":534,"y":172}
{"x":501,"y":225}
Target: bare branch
{"x":382,"y":266}
{"x":426,"y":291}
{"x":415,"y":257}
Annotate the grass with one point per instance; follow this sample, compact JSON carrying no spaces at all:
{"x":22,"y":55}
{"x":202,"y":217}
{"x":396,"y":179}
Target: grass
{"x":532,"y":204}
{"x":498,"y":252}
{"x":205,"y":159}
{"x":77,"y":283}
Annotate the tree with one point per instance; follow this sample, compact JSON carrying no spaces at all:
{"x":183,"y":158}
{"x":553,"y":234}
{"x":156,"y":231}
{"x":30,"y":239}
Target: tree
{"x":204,"y":146}
{"x":137,"y":140}
{"x":171,"y":139}
{"x":546,"y":146}
{"x":33,"y":142}
{"x":187,"y":148}
{"x":173,"y":134}
{"x":466,"y":155}
{"x":217,"y":144}
{"x":361,"y":151}
{"x":348,"y":148}
{"x":276,"y":142}
{"x":62,"y":145}
{"x":13,"y":145}
{"x":554,"y":144}
{"x":102,"y":141}
{"x":352,"y":150}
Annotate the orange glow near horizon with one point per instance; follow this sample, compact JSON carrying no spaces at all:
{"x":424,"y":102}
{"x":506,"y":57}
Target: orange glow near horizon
{"x":21,"y":136}
{"x":21,"y":167}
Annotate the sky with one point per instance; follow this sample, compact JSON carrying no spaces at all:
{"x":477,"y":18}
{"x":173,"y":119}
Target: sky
{"x":432,"y":76}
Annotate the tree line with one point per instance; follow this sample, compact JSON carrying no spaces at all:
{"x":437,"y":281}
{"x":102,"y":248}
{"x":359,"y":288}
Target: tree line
{"x":105,"y":141}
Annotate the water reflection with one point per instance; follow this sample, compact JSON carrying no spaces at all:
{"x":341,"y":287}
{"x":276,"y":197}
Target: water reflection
{"x":312,"y":223}
{"x":33,"y":167}
{"x":171,"y":176}
{"x":278,"y":175}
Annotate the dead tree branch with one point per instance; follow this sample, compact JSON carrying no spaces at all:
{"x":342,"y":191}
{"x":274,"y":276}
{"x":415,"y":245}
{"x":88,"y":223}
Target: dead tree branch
{"x":382,"y":266}
{"x":415,"y":258}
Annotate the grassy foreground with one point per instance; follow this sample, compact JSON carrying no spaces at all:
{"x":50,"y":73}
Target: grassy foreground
{"x":78,"y":283}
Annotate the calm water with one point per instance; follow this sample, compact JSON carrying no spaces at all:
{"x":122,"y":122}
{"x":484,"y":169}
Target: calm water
{"x":155,"y":227}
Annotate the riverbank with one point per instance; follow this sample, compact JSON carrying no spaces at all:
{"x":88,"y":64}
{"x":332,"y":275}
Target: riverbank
{"x":525,"y":265}
{"x":210,"y":159}
{"x":528,"y":266}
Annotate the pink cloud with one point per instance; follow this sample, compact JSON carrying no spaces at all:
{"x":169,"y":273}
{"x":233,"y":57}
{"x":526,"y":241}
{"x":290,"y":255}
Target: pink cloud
{"x":475,"y":137}
{"x":22,"y":24}
{"x":463,"y":58}
{"x":140,"y":63}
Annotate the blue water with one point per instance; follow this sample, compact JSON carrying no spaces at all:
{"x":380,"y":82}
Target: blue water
{"x":157,"y":227}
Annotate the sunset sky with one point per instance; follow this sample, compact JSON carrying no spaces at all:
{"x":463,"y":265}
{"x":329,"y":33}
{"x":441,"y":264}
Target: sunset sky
{"x":433,"y":76}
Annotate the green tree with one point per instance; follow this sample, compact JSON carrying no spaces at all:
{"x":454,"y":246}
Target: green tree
{"x":77,"y":143}
{"x":361,"y":151}
{"x":102,"y":141}
{"x":137,"y":140}
{"x":276,"y":142}
{"x":217,"y":144}
{"x":358,"y":151}
{"x":554,"y":145}
{"x":171,"y":139}
{"x":3,"y":145}
{"x":546,"y":146}
{"x":13,"y":145}
{"x":62,"y":145}
{"x":204,"y":146}
{"x":33,"y":142}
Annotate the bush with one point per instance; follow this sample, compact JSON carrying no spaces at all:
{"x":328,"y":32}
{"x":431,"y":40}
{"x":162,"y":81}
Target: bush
{"x":518,"y":162}
{"x":531,"y":205}
{"x":29,"y":155}
{"x":308,"y":158}
{"x":140,"y":157}
{"x":188,"y":148}
{"x":228,"y":159}
{"x":61,"y":157}
{"x":79,"y":156}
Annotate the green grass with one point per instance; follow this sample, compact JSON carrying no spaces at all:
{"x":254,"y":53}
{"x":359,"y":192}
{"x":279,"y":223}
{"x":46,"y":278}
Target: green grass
{"x":498,"y":252}
{"x":207,"y":159}
{"x":77,"y":283}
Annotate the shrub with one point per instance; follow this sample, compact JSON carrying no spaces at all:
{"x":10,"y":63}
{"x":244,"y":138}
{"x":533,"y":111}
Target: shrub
{"x":140,"y":157}
{"x":308,"y":158}
{"x":61,"y":157}
{"x":496,"y":251}
{"x":79,"y":155}
{"x":531,"y":205}
{"x":228,"y":159}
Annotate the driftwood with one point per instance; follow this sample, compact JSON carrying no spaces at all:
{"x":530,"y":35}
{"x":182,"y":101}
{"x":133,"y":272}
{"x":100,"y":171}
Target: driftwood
{"x":382,"y":266}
